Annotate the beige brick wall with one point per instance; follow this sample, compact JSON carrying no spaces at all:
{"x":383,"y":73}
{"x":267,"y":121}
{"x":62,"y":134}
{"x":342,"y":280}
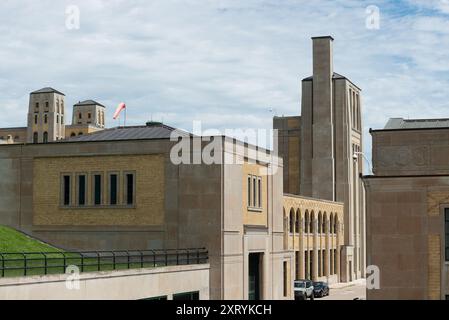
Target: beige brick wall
{"x":252,"y":217}
{"x":434,"y":267}
{"x":149,"y":208}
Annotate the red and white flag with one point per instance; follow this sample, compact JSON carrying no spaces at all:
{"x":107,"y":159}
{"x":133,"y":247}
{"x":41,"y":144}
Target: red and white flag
{"x":119,"y":109}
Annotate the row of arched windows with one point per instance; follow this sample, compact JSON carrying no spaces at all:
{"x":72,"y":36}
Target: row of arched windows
{"x":309,"y":223}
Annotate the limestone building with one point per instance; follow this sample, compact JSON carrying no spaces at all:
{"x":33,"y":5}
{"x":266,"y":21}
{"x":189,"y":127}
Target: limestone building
{"x":408,"y":209}
{"x":322,"y":151}
{"x":47,"y":116}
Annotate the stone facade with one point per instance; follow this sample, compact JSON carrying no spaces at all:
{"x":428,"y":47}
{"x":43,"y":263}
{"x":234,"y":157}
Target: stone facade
{"x":407,"y":202}
{"x":326,"y":144}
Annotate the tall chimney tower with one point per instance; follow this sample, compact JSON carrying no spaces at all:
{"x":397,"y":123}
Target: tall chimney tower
{"x":323,"y":164}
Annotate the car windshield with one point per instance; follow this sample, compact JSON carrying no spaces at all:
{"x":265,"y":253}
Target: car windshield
{"x":300,"y":284}
{"x":317,"y":284}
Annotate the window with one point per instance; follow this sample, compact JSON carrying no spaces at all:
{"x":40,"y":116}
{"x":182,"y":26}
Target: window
{"x":82,"y":190}
{"x":35,"y":137}
{"x":73,"y":134}
{"x":254,"y":192}
{"x":57,"y":118}
{"x":80,"y":116}
{"x":45,"y":118}
{"x":97,"y":189}
{"x":57,"y":106}
{"x":66,"y":190}
{"x":297,"y":222}
{"x":113,"y":189}
{"x":292,"y":221}
{"x":45,"y":137}
{"x":187,"y":296}
{"x":129,"y":188}
{"x":446,"y":231}
{"x":36,"y":107}
{"x":46,"y":105}
{"x":80,"y":133}
{"x":285,"y":279}
{"x":89,"y":115}
{"x":249,"y":191}
{"x":62,"y":119}
{"x":35,"y":118}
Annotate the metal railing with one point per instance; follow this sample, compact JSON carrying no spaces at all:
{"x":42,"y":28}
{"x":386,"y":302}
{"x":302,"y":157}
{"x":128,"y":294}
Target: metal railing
{"x":43,"y":263}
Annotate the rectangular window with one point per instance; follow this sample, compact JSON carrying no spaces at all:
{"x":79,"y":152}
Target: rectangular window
{"x":259,"y":192}
{"x":285,"y":279}
{"x":249,"y":191}
{"x":187,"y":296}
{"x":97,"y":189}
{"x":129,"y":188}
{"x":254,"y":192}
{"x":81,"y":190}
{"x":35,"y":119}
{"x":113,"y":189}
{"x":446,"y":231}
{"x":66,"y":190}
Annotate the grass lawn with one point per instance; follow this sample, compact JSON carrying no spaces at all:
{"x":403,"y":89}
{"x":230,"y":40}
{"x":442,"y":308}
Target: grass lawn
{"x":13,"y":263}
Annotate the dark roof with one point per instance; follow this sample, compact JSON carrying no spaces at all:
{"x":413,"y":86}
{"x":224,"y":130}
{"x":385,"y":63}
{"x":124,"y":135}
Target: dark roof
{"x":336,"y":76}
{"x":323,"y":37}
{"x":89,"y":103}
{"x":47,"y":90}
{"x":147,"y":132}
{"x":403,"y":124}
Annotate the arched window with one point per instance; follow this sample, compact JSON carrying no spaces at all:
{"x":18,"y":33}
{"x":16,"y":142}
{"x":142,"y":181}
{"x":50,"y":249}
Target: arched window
{"x":73,"y":134}
{"x":323,"y":228}
{"x":311,"y":222}
{"x":45,"y":118}
{"x":320,"y":223}
{"x":45,"y":137}
{"x":306,"y":222}
{"x":331,"y":223}
{"x":80,"y":133}
{"x":336,"y":224}
{"x":292,"y":221}
{"x":35,"y":137}
{"x":297,"y":221}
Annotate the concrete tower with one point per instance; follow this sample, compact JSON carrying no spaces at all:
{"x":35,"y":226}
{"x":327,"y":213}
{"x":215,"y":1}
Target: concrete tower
{"x":46,"y":116}
{"x":324,"y":145}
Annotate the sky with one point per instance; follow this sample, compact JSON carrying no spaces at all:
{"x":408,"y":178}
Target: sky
{"x":228,"y":63}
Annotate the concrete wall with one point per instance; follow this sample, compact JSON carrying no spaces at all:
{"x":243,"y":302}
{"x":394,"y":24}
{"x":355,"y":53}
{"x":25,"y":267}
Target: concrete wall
{"x":112,"y":285}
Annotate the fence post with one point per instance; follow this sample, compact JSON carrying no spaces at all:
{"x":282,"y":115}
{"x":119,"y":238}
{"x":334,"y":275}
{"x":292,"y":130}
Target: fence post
{"x":166,"y":257}
{"x":25,"y":264}
{"x":82,"y":262}
{"x":129,"y":265}
{"x":3,"y":265}
{"x":113,"y":260}
{"x":198,"y":256}
{"x":98,"y":261}
{"x":141,"y":259}
{"x":45,"y":262}
{"x":64,"y":262}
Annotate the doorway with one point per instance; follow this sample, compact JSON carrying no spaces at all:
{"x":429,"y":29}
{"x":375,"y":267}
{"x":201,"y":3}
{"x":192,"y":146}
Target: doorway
{"x":254,"y":276}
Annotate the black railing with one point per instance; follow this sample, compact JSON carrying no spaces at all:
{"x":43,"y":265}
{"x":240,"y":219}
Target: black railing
{"x":42,"y":263}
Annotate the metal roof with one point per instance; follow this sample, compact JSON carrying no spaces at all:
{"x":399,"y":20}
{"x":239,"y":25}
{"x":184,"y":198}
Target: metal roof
{"x":400,"y":123}
{"x":148,"y":132}
{"x":89,"y":103}
{"x":47,"y":90}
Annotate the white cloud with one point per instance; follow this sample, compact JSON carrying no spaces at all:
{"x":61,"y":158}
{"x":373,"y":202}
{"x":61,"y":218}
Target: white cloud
{"x":226,"y":62}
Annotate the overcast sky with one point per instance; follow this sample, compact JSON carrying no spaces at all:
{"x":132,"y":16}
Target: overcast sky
{"x":225,"y":62}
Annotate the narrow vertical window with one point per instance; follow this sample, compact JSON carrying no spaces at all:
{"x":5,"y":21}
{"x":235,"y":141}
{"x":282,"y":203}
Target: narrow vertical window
{"x":129,"y":188}
{"x":113,"y":189}
{"x":254,"y":192}
{"x":35,"y":137}
{"x":285,"y":279}
{"x":249,"y":191}
{"x":45,"y":137}
{"x":259,"y":191}
{"x":66,"y":190}
{"x":45,"y":118}
{"x":446,"y":231}
{"x":97,"y":189}
{"x":35,"y":119}
{"x":81,"y":190}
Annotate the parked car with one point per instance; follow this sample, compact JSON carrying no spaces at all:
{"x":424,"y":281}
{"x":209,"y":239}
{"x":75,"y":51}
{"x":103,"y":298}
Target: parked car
{"x":303,"y":290}
{"x":320,"y":289}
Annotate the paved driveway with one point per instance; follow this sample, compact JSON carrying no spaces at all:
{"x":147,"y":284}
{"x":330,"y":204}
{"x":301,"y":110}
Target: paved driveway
{"x":355,"y":290}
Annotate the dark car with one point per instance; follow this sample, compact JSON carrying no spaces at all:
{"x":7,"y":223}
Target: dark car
{"x":320,"y":289}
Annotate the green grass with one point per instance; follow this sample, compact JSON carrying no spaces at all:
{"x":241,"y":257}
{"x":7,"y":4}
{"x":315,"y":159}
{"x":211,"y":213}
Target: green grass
{"x":14,"y":241}
{"x":13,"y":264}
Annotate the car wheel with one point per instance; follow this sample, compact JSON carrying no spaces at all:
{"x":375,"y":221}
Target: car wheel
{"x":312,"y":297}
